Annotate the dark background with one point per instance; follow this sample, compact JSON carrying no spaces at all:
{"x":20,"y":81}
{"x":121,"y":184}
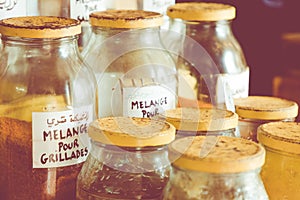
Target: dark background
{"x":259,"y":26}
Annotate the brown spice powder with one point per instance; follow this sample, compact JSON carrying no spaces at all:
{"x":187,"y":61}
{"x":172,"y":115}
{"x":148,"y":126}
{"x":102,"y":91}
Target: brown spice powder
{"x":18,"y":180}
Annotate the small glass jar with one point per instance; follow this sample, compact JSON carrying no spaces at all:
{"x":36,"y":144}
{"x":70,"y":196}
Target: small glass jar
{"x":202,"y":121}
{"x":136,"y":76}
{"x":129,"y":159}
{"x":281,"y":172}
{"x":47,"y":100}
{"x":211,"y":62}
{"x":228,"y":171}
{"x":256,"y":110}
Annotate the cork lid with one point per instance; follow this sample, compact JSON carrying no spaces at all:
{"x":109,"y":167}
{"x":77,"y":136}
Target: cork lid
{"x":40,"y":27}
{"x":126,"y":19}
{"x":201,"y":11}
{"x":228,"y":155}
{"x":203,"y":119}
{"x":265,"y":108}
{"x":283,"y":136}
{"x":131,"y":132}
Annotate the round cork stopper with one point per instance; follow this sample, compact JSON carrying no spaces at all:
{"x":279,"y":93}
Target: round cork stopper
{"x":226,"y":155}
{"x":283,"y":136}
{"x":203,"y":119}
{"x":126,"y":19}
{"x":131,"y":132}
{"x":40,"y":27}
{"x":201,"y":11}
{"x":265,"y":108}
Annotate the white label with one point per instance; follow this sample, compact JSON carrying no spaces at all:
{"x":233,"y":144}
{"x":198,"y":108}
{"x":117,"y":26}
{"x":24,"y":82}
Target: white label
{"x":12,"y":8}
{"x":147,"y":101}
{"x":157,"y":5}
{"x":238,"y":83}
{"x":80,"y":9}
{"x":60,"y":138}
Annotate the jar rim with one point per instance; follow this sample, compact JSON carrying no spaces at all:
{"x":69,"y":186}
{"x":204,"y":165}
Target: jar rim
{"x":226,"y":155}
{"x":40,"y":27}
{"x":131,"y":131}
{"x":202,"y":11}
{"x":126,"y":19}
{"x":282,"y":136}
{"x":265,"y":108}
{"x":201,"y":119}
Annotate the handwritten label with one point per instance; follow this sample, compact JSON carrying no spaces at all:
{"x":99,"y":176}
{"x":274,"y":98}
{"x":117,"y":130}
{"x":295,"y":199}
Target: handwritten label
{"x":80,"y":9}
{"x":12,"y":8}
{"x":60,"y":138}
{"x":238,"y":83}
{"x":147,"y":101}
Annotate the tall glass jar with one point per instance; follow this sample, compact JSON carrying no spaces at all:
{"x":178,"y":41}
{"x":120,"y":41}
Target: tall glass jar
{"x":202,"y":121}
{"x":136,"y":76}
{"x":256,"y":110}
{"x":47,"y":100}
{"x":129,"y":159}
{"x":211,"y":61}
{"x":230,"y":171}
{"x":281,"y":172}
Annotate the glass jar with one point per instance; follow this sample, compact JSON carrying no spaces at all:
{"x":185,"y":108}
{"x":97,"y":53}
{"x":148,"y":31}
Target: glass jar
{"x":281,"y":172}
{"x":211,"y":63}
{"x":202,"y":121}
{"x":229,"y":171}
{"x":256,"y":110}
{"x":136,"y":76}
{"x":129,"y":159}
{"x":47,"y":100}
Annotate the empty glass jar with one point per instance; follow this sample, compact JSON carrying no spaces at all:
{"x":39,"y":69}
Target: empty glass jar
{"x":136,"y":76}
{"x":47,"y":100}
{"x":129,"y":159}
{"x":211,"y":63}
{"x":229,"y":171}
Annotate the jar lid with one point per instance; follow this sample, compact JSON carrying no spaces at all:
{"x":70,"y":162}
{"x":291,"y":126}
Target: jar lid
{"x":227,"y":155}
{"x":265,"y":108}
{"x":283,"y":136}
{"x":126,"y":19}
{"x":201,"y":11}
{"x":131,"y":132}
{"x":40,"y":27}
{"x":202,"y":119}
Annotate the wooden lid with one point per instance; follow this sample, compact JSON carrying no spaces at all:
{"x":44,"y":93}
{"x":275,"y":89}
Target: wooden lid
{"x":227,"y":155}
{"x":201,"y":11}
{"x":40,"y":27}
{"x":265,"y":108}
{"x":126,"y":19}
{"x":283,"y":136}
{"x":131,"y":132}
{"x":203,"y":119}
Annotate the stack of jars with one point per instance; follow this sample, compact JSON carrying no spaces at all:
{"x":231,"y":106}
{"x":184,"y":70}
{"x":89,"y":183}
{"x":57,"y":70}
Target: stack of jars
{"x":141,"y":112}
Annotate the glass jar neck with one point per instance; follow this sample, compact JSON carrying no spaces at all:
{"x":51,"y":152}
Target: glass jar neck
{"x":143,"y":36}
{"x":67,"y":45}
{"x":243,"y":176}
{"x":218,"y":28}
{"x":131,"y":159}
